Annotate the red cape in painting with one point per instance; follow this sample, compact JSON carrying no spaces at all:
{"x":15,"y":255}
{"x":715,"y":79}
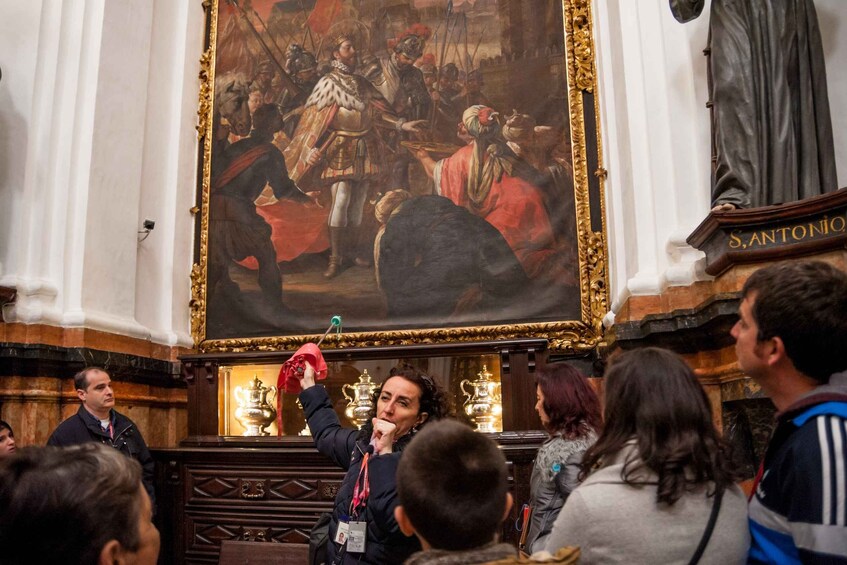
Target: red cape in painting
{"x":513,"y":206}
{"x":295,"y":229}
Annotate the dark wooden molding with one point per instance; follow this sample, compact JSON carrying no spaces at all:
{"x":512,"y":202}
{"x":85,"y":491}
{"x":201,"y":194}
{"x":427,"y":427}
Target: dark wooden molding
{"x":705,"y":327}
{"x":42,"y":360}
{"x":769,"y":233}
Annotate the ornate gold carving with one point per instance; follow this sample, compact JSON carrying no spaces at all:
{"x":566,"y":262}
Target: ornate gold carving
{"x":197,"y":304}
{"x":583,"y":43}
{"x":573,"y":336}
{"x":569,"y":337}
{"x":596,"y":259}
{"x":592,"y":244}
{"x":204,"y":112}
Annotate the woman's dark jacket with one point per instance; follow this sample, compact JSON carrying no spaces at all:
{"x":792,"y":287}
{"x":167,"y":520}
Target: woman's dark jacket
{"x":385,"y":542}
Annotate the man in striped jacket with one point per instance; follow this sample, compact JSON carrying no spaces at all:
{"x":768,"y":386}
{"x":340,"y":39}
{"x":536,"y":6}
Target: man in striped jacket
{"x":791,"y":338}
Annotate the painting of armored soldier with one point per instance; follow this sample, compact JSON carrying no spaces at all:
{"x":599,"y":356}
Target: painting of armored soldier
{"x":423,"y":172}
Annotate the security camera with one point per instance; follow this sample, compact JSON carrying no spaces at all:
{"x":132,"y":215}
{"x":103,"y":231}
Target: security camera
{"x":147,"y":226}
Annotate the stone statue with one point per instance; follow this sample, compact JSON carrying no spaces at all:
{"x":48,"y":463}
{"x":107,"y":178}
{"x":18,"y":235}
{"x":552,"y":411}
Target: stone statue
{"x":771,"y":124}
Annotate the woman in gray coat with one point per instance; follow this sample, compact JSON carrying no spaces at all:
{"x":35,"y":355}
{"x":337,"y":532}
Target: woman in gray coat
{"x":655,"y":473}
{"x":570,"y":412}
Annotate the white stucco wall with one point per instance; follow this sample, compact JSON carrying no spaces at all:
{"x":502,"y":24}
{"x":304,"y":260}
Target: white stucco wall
{"x":97,"y":111}
{"x":656,"y":136}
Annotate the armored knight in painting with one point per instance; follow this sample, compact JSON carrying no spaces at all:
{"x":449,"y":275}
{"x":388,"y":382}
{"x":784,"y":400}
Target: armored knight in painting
{"x":336,"y":144}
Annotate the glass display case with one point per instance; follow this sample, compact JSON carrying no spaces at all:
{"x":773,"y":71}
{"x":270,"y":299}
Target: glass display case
{"x":490,"y":384}
{"x":250,"y":404}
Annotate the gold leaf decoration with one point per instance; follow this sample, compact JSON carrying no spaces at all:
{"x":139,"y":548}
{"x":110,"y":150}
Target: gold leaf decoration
{"x":583,"y":44}
{"x":197,"y":304}
{"x":204,"y":112}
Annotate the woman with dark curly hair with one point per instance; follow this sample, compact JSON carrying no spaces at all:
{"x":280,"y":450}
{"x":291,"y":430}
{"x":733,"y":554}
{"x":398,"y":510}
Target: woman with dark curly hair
{"x":363,"y":528}
{"x":570,"y":412}
{"x":657,"y":474}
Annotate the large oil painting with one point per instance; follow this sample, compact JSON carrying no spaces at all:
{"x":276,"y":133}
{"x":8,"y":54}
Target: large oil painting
{"x":428,"y":170}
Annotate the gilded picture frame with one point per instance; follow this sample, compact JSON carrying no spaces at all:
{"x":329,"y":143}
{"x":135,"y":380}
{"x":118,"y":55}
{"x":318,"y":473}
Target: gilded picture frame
{"x":537,"y":62}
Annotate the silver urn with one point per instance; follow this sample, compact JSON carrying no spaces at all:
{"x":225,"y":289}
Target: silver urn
{"x":483,"y":403}
{"x":255,"y":407}
{"x":360,"y":404}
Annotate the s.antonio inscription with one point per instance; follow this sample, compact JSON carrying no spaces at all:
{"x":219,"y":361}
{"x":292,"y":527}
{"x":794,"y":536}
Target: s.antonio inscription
{"x":769,"y":233}
{"x":787,"y":235}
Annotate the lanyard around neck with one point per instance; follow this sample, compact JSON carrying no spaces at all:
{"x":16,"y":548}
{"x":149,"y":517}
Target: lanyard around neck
{"x":362,"y":488}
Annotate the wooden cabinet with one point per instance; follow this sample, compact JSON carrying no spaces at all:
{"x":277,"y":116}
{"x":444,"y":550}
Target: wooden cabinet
{"x":216,"y":487}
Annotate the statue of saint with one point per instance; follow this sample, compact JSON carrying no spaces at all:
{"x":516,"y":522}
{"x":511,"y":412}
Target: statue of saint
{"x":771,"y":125}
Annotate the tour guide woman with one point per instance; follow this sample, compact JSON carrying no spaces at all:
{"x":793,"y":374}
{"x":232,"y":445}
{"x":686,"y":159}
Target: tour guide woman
{"x":363,"y":528}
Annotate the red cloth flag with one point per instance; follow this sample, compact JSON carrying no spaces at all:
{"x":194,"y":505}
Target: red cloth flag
{"x":322,"y":15}
{"x":292,"y":370}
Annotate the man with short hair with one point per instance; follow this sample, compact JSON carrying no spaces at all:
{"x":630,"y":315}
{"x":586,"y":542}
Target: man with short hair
{"x":7,"y":440}
{"x":98,"y":421}
{"x":453,"y":491}
{"x":83,"y":504}
{"x":791,"y":338}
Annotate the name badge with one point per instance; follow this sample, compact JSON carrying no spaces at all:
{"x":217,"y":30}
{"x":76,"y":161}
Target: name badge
{"x":356,"y":536}
{"x":342,"y":533}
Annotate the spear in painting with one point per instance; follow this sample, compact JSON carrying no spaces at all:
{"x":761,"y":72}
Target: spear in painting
{"x":455,"y":37}
{"x":467,"y":54}
{"x":308,"y":28}
{"x":286,"y":80}
{"x":446,"y":33}
{"x":473,"y":57}
{"x":441,"y":60}
{"x":268,"y":32}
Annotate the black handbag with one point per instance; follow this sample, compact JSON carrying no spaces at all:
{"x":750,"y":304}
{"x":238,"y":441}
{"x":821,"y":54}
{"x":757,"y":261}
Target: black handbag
{"x":318,"y":538}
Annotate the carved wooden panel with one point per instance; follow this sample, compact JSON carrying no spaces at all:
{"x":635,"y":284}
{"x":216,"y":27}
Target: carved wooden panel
{"x":226,"y":496}
{"x":207,"y":485}
{"x":206,"y":530}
